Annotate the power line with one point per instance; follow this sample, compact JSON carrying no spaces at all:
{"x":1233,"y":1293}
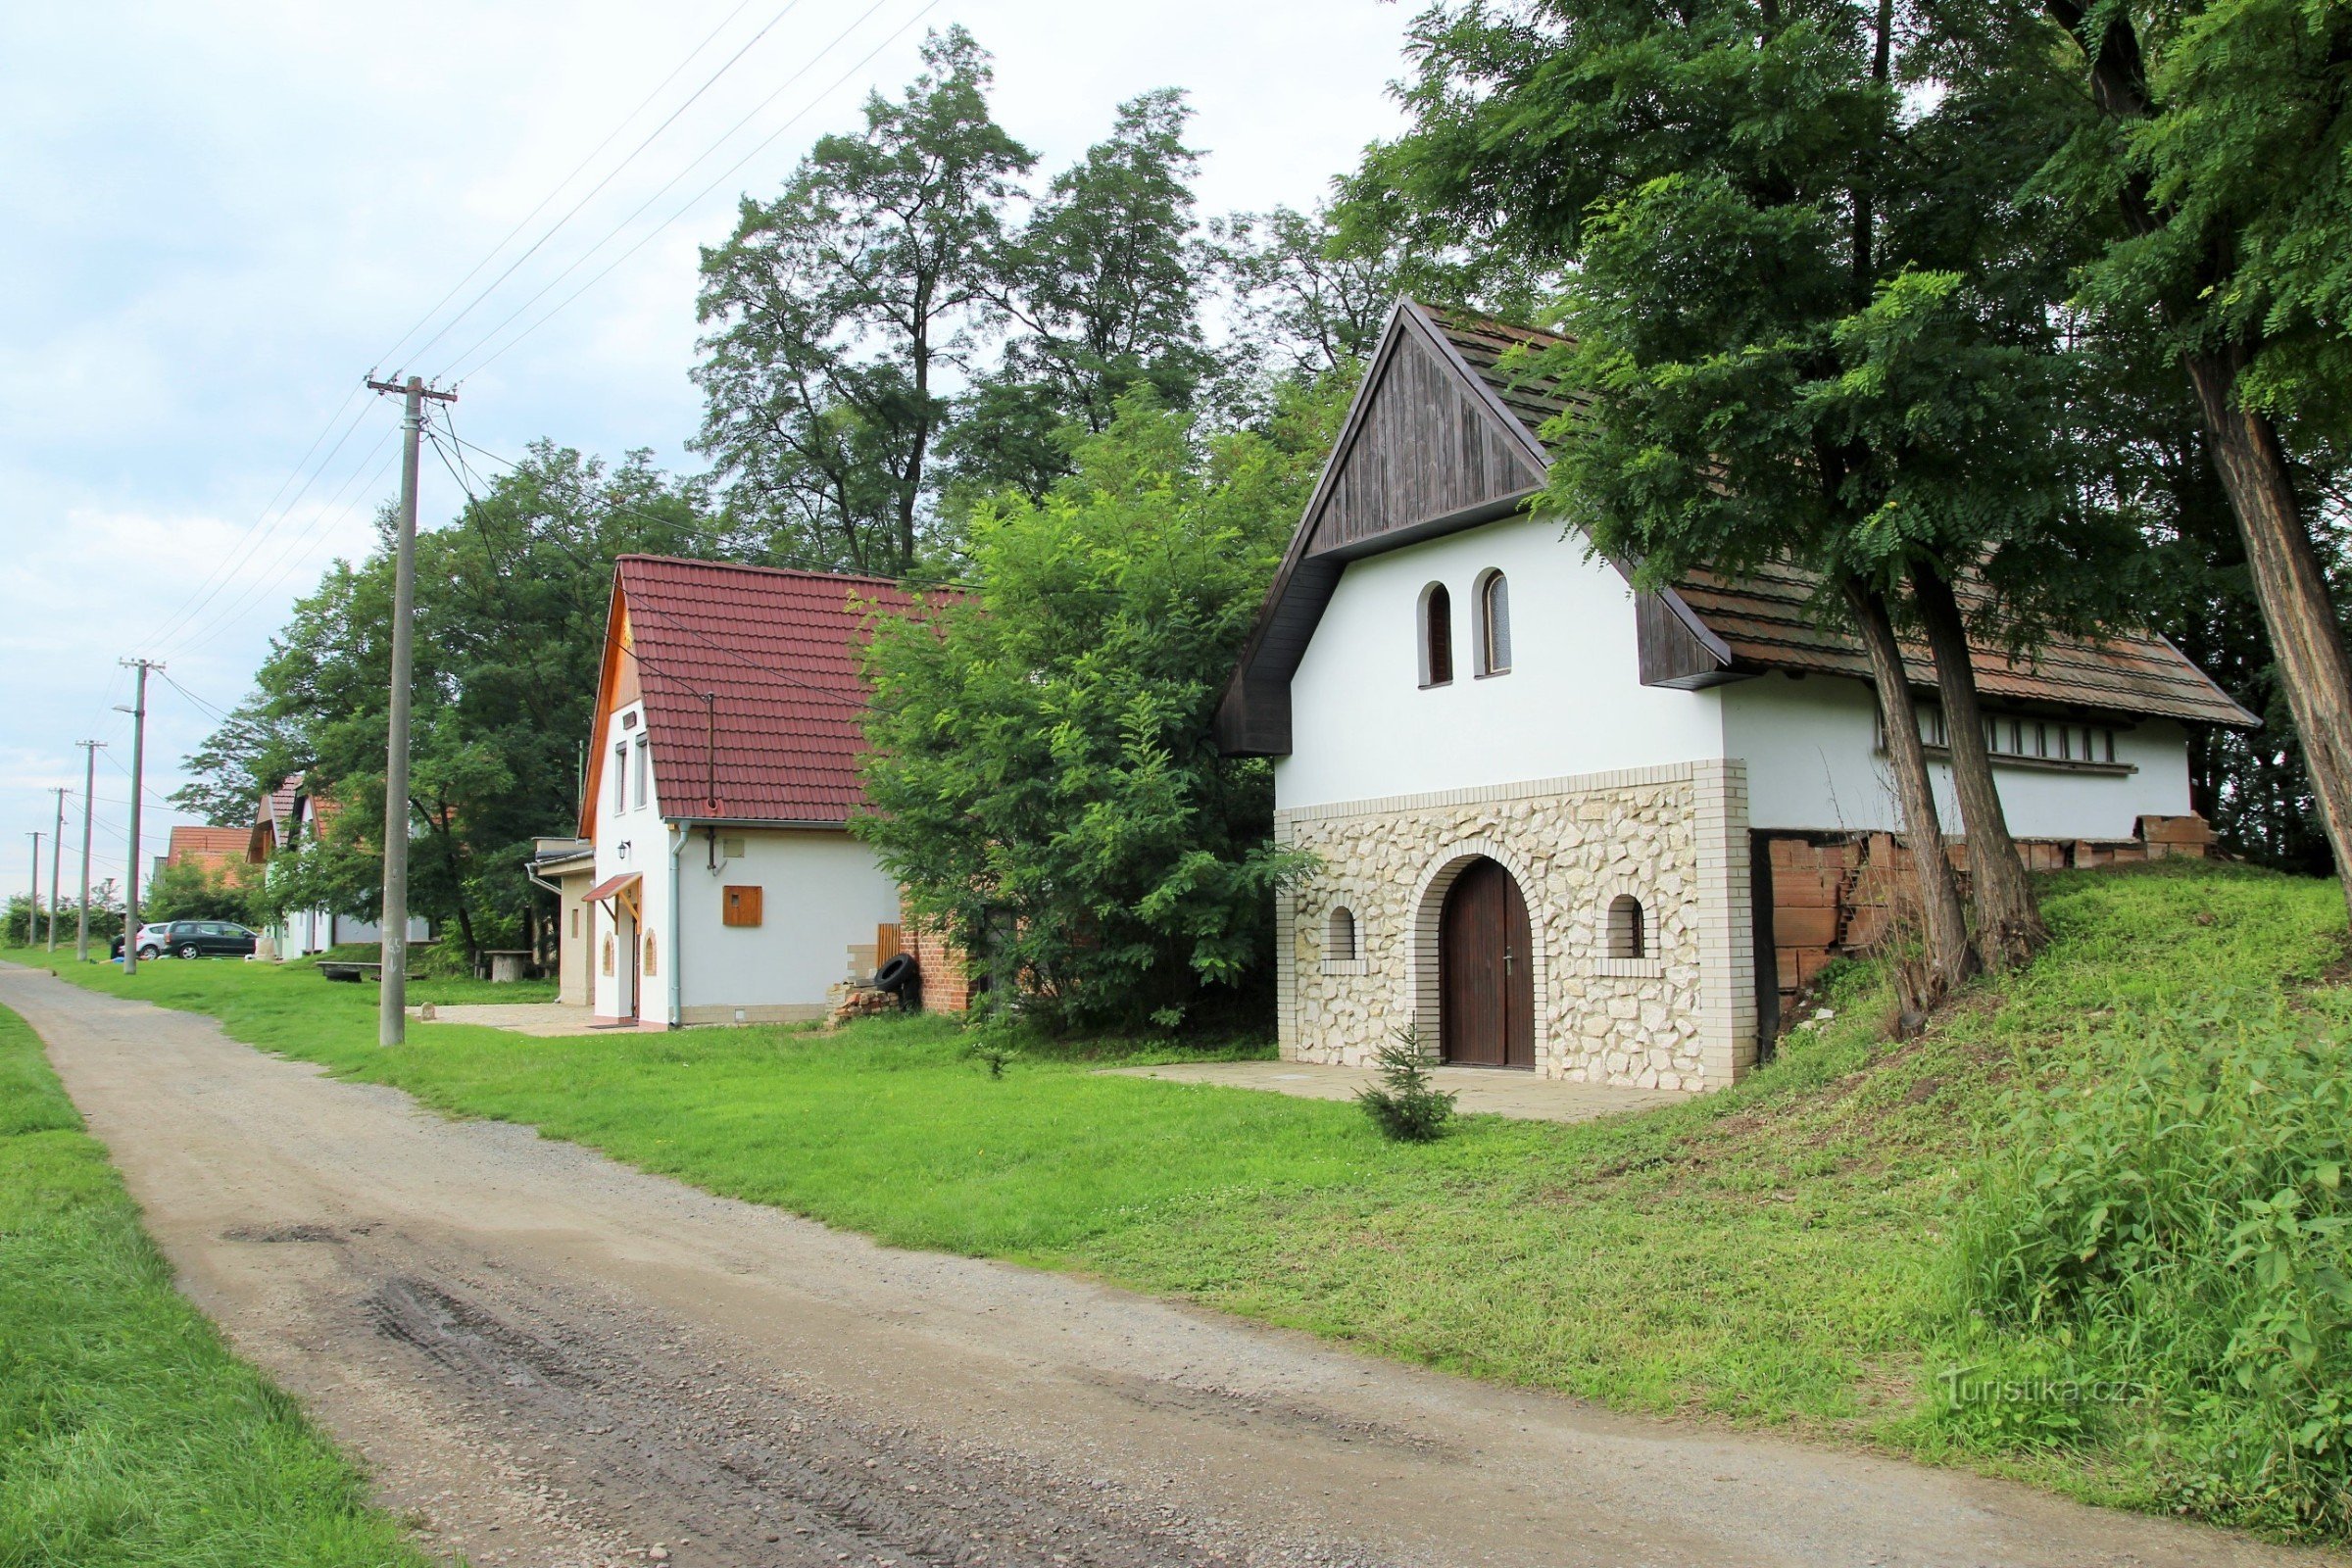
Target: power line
{"x":288,"y":558}
{"x":661,"y":668}
{"x":798,"y":115}
{"x":212,"y":710}
{"x":557,"y":189}
{"x":225,"y":570}
{"x":573,"y":211}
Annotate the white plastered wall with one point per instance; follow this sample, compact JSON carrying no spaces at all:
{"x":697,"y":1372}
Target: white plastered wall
{"x":1812,"y":765}
{"x":1573,"y":703}
{"x":631,"y":840}
{"x":822,"y":893}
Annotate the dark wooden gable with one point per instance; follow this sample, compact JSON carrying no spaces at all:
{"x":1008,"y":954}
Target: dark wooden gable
{"x":1432,"y":445}
{"x":1424,"y":445}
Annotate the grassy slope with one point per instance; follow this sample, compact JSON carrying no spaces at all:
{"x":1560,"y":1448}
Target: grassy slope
{"x":1768,"y":1255}
{"x":129,"y":1434}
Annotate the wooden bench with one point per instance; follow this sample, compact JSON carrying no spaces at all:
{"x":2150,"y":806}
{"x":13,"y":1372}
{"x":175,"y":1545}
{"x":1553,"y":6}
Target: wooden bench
{"x":339,"y":969}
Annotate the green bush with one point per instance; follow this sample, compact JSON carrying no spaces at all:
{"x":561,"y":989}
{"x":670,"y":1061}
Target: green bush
{"x":2177,"y":1226}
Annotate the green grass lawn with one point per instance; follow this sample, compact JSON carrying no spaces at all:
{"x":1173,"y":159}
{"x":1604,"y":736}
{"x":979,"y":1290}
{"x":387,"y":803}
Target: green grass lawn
{"x":1775,"y":1253}
{"x":129,"y":1434}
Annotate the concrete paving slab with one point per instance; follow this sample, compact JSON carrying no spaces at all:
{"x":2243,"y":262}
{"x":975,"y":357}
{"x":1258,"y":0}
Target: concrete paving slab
{"x":1489,"y":1090}
{"x":546,"y":1020}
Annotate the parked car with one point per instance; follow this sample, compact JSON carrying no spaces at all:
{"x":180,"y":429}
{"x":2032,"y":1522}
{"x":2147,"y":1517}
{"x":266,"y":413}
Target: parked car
{"x":208,"y":938}
{"x":151,"y":940}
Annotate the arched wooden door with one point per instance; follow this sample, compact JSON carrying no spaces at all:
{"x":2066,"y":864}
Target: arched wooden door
{"x":1486,"y":971}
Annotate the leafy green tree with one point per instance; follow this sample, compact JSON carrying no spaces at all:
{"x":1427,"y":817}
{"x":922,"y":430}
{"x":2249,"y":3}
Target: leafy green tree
{"x":1819,"y":307}
{"x":1100,"y":291}
{"x":1043,"y":781}
{"x":836,"y":310}
{"x":1315,"y":300}
{"x":190,"y":891}
{"x":2212,"y":154}
{"x":237,"y":764}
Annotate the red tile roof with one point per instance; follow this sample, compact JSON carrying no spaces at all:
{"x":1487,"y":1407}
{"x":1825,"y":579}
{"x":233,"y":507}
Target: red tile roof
{"x":778,"y":653}
{"x":209,"y":847}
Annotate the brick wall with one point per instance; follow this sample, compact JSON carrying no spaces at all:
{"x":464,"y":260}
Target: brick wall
{"x":947,"y":988}
{"x":1831,"y":892}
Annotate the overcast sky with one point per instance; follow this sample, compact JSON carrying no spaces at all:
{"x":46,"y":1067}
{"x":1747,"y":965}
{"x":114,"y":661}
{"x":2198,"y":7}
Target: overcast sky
{"x":215,"y":220}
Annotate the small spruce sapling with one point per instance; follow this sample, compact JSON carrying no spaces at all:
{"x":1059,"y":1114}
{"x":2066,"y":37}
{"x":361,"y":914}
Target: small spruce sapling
{"x":1405,"y":1106}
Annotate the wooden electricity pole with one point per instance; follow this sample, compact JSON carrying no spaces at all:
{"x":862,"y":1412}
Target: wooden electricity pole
{"x":392,"y":992}
{"x":89,"y":788}
{"x":138,"y":782}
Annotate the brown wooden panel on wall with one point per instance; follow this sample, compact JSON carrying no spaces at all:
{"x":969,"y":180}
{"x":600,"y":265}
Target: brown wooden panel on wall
{"x":1672,"y":653}
{"x":1426,"y":446}
{"x":742,"y":906}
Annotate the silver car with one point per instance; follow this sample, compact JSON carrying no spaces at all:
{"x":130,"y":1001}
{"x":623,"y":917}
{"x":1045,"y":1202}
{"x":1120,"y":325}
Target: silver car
{"x":152,"y":940}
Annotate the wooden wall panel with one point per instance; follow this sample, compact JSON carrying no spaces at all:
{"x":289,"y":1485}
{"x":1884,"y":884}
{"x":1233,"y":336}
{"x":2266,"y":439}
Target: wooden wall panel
{"x":1427,"y":447}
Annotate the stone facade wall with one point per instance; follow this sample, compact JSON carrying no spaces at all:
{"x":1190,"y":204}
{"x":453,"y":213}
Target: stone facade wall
{"x":1675,"y":838}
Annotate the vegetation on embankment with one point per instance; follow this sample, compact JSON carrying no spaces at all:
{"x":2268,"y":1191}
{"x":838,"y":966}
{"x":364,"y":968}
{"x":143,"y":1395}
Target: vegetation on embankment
{"x":129,"y":1434}
{"x":1815,"y":1247}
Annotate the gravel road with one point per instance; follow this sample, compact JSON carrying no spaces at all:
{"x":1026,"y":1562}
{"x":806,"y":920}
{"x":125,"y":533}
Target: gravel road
{"x":548,"y":1359}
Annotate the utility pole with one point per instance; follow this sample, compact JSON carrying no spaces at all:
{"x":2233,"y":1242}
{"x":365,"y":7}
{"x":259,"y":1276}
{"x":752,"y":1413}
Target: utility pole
{"x":57,"y":853}
{"x":138,"y":782}
{"x":89,"y":789}
{"x":392,"y":992}
{"x":32,"y":914}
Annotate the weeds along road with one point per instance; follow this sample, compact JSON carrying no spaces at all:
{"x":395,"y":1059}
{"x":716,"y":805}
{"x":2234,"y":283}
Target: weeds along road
{"x":549,"y":1358}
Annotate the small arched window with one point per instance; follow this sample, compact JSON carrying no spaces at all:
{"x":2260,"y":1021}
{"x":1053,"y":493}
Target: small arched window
{"x":1494,"y":624}
{"x":1339,"y":942}
{"x":1436,"y":636}
{"x":1628,"y":930}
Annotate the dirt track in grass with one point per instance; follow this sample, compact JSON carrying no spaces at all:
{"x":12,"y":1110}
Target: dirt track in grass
{"x":550,"y":1358}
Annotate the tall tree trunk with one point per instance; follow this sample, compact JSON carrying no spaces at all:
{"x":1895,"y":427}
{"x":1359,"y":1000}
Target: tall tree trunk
{"x":2009,"y":927}
{"x":2292,"y":591}
{"x":1950,"y":961}
{"x":2288,"y":584}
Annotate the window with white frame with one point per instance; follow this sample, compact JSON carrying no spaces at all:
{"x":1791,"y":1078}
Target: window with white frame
{"x":620,"y":779}
{"x":1494,"y":624}
{"x":644,"y":773}
{"x":2023,"y":737}
{"x":1436,"y":636}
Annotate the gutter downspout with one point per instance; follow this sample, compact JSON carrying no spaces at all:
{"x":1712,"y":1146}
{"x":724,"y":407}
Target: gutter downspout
{"x":680,"y":834}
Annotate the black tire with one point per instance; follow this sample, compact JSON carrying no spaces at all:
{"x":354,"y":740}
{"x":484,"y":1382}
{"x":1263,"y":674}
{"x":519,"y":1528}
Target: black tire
{"x":151,"y":953}
{"x":187,"y":950}
{"x":896,"y":974}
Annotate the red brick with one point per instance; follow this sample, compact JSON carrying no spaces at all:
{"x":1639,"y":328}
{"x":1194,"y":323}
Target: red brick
{"x":1800,"y":927}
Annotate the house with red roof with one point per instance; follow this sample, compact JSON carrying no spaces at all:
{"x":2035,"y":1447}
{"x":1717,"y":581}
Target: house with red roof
{"x":1600,"y":832}
{"x":722,"y":778}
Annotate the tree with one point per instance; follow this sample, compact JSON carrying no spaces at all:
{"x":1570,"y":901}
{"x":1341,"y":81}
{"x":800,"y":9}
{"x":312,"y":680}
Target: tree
{"x":190,"y":891}
{"x":1101,"y":290}
{"x":1314,"y":297}
{"x":2216,"y":163}
{"x":237,"y":764}
{"x":835,"y":309}
{"x":1043,"y":779}
{"x":1817,"y":301}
